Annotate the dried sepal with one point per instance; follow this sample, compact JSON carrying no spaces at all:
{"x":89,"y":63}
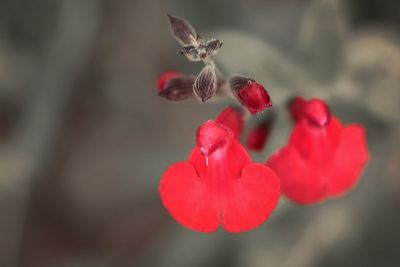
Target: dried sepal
{"x":202,"y":52}
{"x":238,"y":82}
{"x":183,"y":32}
{"x":200,"y":40}
{"x":205,"y":84}
{"x":165,"y":78}
{"x":213,"y":47}
{"x":178,"y":89}
{"x":190,"y":52}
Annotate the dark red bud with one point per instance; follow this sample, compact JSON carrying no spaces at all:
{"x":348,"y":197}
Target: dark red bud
{"x":259,"y":135}
{"x":250,"y":94}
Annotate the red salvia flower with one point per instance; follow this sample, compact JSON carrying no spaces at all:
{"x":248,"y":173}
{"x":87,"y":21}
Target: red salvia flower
{"x":219,"y":184}
{"x":323,"y":158}
{"x":165,"y":78}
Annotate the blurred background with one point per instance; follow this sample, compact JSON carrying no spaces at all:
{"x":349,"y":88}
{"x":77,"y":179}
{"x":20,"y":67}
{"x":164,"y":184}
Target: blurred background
{"x":84,"y":137}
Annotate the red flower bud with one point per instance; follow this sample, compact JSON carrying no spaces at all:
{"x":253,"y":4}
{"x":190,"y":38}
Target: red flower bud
{"x":250,"y":94}
{"x":259,"y":135}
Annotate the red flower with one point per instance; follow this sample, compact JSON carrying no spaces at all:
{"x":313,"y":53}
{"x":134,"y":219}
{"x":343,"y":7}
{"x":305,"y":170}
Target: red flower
{"x":165,"y":78}
{"x":322,"y":159}
{"x":219,"y":185}
{"x":250,"y":94}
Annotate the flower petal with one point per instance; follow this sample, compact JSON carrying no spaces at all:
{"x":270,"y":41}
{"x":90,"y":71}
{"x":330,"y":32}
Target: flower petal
{"x":317,"y":113}
{"x":235,"y":158}
{"x":316,"y":144}
{"x":233,"y":119}
{"x":250,"y":199}
{"x":349,"y":160}
{"x":188,"y":198}
{"x":301,"y":182}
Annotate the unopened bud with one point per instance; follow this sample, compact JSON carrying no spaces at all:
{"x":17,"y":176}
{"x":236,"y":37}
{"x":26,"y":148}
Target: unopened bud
{"x":250,"y":94}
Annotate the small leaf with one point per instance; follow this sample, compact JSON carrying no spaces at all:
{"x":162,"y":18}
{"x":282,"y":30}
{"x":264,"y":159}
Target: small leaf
{"x":213,"y":47}
{"x":178,"y":89}
{"x":205,"y":84}
{"x":183,"y":32}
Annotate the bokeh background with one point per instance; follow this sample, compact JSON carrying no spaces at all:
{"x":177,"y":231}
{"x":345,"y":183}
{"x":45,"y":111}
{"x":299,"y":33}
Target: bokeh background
{"x":84,"y":138}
